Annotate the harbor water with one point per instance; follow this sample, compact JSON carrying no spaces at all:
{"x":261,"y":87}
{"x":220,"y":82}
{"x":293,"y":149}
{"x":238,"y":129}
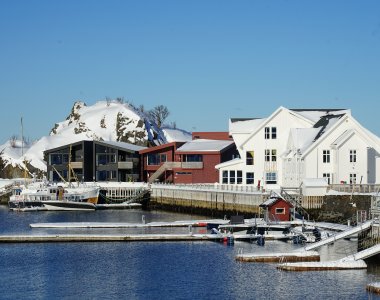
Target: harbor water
{"x":159,"y":270}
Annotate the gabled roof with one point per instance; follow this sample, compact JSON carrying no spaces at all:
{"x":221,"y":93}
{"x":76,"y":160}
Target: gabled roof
{"x":325,"y":122}
{"x":271,"y":117}
{"x":273,"y":200}
{"x":315,"y":115}
{"x":201,"y":145}
{"x":329,"y":129}
{"x":244,"y":125}
{"x":175,"y":145}
{"x":121,"y":145}
{"x":118,"y":145}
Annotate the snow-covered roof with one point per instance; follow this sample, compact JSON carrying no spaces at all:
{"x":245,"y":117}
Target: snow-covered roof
{"x":303,"y":137}
{"x":123,"y":145}
{"x":229,"y":163}
{"x":176,"y":135}
{"x":315,"y":115}
{"x":204,"y":145}
{"x":244,"y":125}
{"x":314,"y":182}
{"x":272,"y":200}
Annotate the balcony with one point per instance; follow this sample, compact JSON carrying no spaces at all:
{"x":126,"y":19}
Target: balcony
{"x":125,"y":165}
{"x":76,"y":164}
{"x":192,"y":165}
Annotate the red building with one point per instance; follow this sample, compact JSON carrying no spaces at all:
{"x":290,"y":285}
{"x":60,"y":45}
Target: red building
{"x":156,"y":162}
{"x":198,"y":160}
{"x":190,"y":162}
{"x":213,"y":135}
{"x":277,"y":209}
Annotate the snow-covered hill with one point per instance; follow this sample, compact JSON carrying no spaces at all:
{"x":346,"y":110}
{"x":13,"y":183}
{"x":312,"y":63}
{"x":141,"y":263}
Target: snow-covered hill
{"x":105,"y":120}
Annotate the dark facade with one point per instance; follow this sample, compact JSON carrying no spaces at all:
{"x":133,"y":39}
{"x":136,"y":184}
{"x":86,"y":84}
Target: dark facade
{"x":94,"y":161}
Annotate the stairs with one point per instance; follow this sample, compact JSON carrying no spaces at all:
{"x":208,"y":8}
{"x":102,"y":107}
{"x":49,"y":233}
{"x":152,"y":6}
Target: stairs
{"x":169,"y":165}
{"x":300,"y":211}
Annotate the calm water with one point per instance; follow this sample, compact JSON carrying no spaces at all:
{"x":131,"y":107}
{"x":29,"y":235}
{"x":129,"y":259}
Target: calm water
{"x":165,"y":270}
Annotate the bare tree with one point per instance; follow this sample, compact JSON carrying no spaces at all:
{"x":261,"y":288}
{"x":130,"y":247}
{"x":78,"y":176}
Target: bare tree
{"x":159,"y":114}
{"x":141,"y":108}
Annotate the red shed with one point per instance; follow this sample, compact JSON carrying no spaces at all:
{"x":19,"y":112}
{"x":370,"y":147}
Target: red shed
{"x":277,"y":209}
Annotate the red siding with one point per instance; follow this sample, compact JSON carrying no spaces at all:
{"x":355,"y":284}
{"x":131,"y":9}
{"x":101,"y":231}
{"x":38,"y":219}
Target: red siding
{"x":214,"y":135}
{"x":206,"y":175}
{"x":280,"y":204}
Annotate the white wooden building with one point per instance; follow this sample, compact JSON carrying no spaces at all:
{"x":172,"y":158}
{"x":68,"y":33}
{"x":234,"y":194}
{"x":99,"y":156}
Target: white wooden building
{"x":295,"y":144}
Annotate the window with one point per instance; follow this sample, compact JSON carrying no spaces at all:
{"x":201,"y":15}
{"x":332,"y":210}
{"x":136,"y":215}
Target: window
{"x":58,"y":158}
{"x":155,"y":159}
{"x":192,"y":158}
{"x":326,"y":156}
{"x":250,"y":158}
{"x":271,"y":177}
{"x":270,"y":133}
{"x":232,"y":177}
{"x":267,"y":155}
{"x":225,"y":177}
{"x":270,"y":155}
{"x":328,"y":177}
{"x":280,"y":211}
{"x":274,"y":155}
{"x":239,"y":177}
{"x":250,"y":178}
{"x":352,"y":178}
{"x":267,"y":133}
{"x":353,"y":156}
{"x":104,"y":159}
{"x":274,"y":133}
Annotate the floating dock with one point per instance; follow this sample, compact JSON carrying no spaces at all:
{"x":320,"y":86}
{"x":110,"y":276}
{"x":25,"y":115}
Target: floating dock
{"x":194,"y":223}
{"x":323,"y":266}
{"x":373,"y":287}
{"x":299,"y":256}
{"x":107,"y":238}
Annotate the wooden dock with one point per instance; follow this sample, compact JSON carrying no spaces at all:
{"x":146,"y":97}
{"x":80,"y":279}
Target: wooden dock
{"x":107,"y":238}
{"x":296,"y":256}
{"x":323,"y":266}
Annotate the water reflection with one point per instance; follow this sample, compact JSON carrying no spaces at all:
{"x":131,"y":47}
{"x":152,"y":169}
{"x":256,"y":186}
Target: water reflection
{"x":165,"y":270}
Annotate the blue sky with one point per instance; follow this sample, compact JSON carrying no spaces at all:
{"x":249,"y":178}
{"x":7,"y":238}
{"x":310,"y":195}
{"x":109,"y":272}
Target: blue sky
{"x":206,"y":61}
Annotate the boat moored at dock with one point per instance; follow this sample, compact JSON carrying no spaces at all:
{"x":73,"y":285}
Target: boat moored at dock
{"x":54,"y":197}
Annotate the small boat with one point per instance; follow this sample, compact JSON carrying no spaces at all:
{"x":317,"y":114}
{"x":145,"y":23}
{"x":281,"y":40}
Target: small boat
{"x":54,"y":197}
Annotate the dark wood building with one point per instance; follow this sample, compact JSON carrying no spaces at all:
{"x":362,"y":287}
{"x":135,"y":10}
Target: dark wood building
{"x":94,"y":161}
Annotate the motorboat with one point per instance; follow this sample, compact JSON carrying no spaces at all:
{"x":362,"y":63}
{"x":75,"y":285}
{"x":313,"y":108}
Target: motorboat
{"x":54,"y":197}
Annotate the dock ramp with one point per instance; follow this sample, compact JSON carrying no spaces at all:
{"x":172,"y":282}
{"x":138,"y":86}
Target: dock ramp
{"x":372,"y":251}
{"x":340,"y":235}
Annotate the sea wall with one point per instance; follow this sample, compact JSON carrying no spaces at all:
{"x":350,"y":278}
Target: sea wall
{"x":215,"y":203}
{"x":341,"y":208}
